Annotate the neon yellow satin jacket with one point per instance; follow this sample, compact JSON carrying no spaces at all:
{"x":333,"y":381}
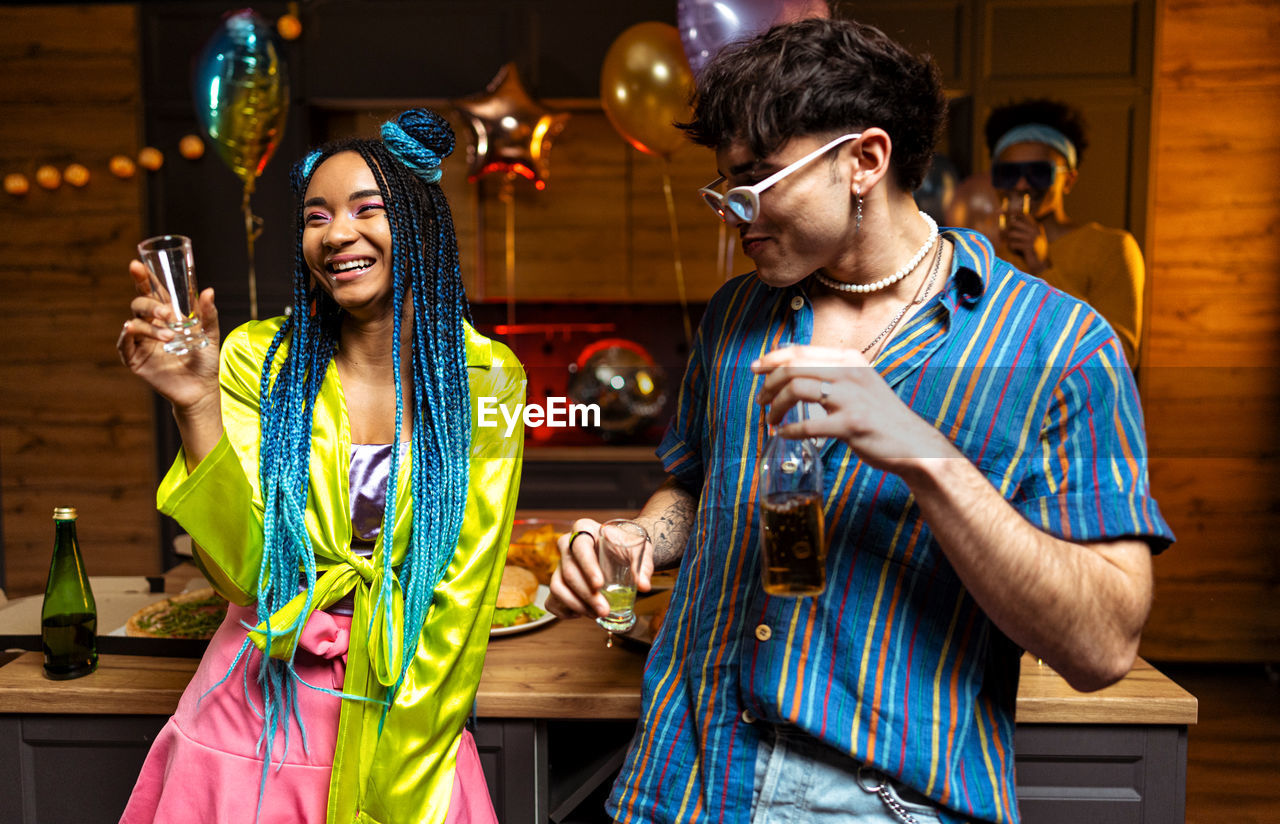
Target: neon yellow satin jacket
{"x":405,"y":774}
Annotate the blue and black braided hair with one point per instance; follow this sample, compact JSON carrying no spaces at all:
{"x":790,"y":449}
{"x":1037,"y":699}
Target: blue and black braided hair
{"x":424,"y":252}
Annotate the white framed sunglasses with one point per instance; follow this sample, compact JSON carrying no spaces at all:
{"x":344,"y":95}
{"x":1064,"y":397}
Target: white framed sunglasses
{"x":744,"y":201}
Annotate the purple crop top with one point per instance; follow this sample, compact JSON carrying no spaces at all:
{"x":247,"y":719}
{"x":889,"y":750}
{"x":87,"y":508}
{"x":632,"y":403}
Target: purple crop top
{"x":370,"y":469}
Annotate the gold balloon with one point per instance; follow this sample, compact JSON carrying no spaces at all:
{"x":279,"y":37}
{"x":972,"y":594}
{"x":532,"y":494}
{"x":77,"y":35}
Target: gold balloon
{"x":513,"y":132}
{"x":645,"y":84}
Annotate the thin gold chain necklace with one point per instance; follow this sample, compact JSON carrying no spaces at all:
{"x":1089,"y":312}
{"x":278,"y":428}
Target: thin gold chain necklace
{"x":921,"y":293}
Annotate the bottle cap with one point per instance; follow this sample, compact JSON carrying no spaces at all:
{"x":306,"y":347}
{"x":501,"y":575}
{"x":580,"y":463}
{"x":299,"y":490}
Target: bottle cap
{"x":64,"y":513}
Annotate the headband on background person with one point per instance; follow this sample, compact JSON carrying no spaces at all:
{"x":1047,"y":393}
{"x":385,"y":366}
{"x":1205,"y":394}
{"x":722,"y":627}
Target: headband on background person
{"x":1037,"y":133}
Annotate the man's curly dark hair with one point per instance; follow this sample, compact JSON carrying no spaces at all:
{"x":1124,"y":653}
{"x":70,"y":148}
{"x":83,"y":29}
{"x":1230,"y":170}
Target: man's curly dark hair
{"x":821,"y":77}
{"x":1054,"y":113}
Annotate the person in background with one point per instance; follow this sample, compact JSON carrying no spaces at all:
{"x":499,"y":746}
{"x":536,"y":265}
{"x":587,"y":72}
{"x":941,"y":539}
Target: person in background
{"x":1037,"y":147}
{"x":338,"y":495}
{"x":985,"y":476}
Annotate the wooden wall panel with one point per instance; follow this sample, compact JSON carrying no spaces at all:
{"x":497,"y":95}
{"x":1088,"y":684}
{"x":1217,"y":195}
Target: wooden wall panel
{"x":939,"y":28}
{"x":1092,"y":40}
{"x":1210,"y":382}
{"x":75,"y":428}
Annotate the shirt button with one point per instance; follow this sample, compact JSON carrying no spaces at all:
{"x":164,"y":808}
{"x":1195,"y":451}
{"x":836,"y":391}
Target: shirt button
{"x":764,"y":632}
{"x":748,"y":717}
{"x":797,"y":303}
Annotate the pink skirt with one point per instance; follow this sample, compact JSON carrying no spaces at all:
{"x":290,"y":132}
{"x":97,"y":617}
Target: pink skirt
{"x":204,"y":766}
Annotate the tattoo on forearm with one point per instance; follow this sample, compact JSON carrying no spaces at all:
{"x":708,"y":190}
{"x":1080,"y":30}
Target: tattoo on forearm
{"x":671,"y":529}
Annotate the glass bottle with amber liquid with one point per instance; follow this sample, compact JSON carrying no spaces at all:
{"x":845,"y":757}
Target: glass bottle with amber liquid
{"x":794,"y":553}
{"x":69,"y":617}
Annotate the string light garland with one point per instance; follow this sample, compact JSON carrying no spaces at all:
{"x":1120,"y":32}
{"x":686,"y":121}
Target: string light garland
{"x":78,"y":174}
{"x":191,"y":147}
{"x":289,"y":24}
{"x":122,"y":167}
{"x":48,"y":177}
{"x":16,"y":184}
{"x":150,"y":158}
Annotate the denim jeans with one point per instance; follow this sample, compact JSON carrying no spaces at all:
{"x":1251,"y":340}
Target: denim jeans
{"x":800,"y":780}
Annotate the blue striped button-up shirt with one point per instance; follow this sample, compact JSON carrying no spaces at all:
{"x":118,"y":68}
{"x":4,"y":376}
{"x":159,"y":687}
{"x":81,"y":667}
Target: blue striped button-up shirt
{"x":894,"y":664}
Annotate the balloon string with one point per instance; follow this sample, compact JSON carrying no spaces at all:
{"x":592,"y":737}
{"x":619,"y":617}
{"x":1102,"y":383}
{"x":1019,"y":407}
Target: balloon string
{"x":508,"y":198}
{"x":252,"y":228}
{"x":730,"y":243}
{"x":724,"y":254}
{"x":675,"y":250}
{"x":721,"y":265}
{"x":481,"y":269}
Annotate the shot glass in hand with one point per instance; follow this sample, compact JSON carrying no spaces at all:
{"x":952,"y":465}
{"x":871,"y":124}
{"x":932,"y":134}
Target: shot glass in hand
{"x":1011,"y":206}
{"x":171,"y":270}
{"x":619,"y":548}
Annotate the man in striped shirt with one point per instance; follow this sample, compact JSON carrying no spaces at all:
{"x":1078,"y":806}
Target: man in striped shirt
{"x":983,"y":454}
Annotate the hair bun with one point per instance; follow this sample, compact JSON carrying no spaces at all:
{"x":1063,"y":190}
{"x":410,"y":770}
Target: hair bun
{"x":429,"y":129}
{"x":420,"y":138}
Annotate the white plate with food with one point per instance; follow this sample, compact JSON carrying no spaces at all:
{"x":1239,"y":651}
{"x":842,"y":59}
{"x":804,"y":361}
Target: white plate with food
{"x":521,"y":602}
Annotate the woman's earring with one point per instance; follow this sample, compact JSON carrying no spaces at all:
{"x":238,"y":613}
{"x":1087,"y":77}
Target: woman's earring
{"x":857,"y":226}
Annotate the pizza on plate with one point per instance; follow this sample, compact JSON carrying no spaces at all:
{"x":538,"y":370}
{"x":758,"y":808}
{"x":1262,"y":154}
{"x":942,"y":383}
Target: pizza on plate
{"x":195,"y":614}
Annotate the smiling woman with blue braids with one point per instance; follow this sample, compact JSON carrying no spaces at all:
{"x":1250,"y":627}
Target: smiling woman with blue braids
{"x":338,"y":686}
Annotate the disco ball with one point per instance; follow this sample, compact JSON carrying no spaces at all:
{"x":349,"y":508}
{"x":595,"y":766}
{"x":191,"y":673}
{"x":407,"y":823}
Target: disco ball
{"x":622,"y":379}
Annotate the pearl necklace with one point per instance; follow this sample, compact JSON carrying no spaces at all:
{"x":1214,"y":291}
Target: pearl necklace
{"x":910,"y":266}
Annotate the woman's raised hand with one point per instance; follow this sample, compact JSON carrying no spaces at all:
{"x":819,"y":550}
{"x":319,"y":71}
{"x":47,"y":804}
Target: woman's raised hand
{"x":1025,"y":236}
{"x":189,"y":381}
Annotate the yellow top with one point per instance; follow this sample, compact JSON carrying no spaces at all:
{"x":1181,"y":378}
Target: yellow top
{"x":1103,"y":267}
{"x":405,"y":773}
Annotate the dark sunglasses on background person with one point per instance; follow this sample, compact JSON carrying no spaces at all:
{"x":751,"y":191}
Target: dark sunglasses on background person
{"x":1038,"y":173}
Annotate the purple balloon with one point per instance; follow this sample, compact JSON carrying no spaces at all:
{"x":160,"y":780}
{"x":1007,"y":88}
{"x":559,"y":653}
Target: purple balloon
{"x":707,"y":26}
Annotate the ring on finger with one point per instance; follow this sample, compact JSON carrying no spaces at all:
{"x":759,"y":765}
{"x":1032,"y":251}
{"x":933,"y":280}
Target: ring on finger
{"x":824,"y":391}
{"x":575,"y":535}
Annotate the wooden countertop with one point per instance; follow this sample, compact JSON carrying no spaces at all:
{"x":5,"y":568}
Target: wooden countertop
{"x":591,"y":454}
{"x":1144,"y":696}
{"x":564,"y":670}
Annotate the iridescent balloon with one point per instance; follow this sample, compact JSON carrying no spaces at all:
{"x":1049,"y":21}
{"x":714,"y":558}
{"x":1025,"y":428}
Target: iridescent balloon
{"x":707,"y":26}
{"x":241,"y":92}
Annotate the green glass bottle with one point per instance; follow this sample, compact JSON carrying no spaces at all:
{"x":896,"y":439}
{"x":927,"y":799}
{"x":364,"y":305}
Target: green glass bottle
{"x":69,"y":617}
